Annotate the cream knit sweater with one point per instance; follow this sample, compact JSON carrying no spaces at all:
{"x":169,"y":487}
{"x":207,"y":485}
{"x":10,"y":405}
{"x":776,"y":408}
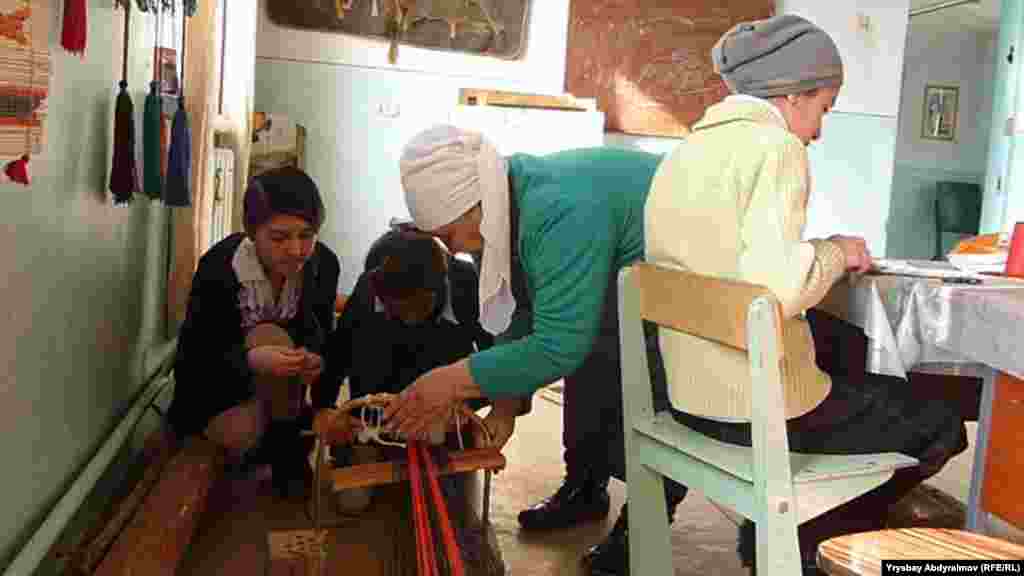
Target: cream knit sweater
{"x":731,"y":202}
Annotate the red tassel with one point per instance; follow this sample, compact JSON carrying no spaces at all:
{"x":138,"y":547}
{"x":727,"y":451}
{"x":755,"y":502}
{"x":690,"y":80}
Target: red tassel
{"x":72,"y":36}
{"x":17,"y":171}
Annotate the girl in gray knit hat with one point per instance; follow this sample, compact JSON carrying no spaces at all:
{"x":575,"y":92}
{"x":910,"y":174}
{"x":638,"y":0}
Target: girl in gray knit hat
{"x":786,"y":60}
{"x":731,"y":202}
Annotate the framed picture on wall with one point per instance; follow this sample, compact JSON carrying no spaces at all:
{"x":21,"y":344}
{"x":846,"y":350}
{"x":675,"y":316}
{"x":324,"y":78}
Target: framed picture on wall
{"x":940,"y":111}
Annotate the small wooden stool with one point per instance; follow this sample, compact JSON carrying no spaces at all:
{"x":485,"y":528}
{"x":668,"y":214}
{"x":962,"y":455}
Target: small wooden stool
{"x":862,"y":554}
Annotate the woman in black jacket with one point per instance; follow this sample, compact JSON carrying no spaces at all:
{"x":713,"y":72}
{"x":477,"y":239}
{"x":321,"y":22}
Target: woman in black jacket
{"x":259,"y":312}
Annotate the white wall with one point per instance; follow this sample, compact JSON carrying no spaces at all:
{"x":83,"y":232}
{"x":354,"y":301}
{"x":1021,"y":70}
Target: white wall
{"x":955,"y":56}
{"x":359,"y":110}
{"x":852,"y":164}
{"x":873,"y":58}
{"x":939,"y":51}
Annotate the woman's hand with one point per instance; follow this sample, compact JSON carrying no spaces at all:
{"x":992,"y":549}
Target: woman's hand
{"x":431,"y":398}
{"x":280,"y":361}
{"x":312,"y":367}
{"x":855,"y":250}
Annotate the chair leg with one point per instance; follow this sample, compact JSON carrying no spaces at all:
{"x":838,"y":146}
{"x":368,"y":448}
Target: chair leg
{"x":777,"y":545}
{"x":650,"y":544}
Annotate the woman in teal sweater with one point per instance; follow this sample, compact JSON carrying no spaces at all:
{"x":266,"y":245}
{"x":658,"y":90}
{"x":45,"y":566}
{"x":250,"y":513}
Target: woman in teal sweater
{"x":550,"y":234}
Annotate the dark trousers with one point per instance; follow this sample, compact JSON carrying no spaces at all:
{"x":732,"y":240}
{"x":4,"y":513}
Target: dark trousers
{"x":864,"y":413}
{"x":592,"y":430}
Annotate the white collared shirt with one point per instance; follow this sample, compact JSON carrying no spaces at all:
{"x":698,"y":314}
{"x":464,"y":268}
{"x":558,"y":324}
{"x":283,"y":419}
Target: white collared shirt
{"x":256,"y":299}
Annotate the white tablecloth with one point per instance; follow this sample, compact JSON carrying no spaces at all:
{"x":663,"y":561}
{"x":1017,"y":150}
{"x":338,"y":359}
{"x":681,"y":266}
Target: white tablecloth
{"x":917,"y":323}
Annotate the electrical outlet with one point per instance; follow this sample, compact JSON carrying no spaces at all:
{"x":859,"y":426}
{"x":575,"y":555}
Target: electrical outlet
{"x":388,"y":109}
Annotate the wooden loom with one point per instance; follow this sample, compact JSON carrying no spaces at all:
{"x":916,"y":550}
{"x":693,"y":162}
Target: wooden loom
{"x":332,"y":430}
{"x":304,"y":551}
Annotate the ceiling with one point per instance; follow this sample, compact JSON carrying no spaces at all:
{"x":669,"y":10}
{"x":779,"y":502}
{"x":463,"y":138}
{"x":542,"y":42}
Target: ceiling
{"x":983,"y":15}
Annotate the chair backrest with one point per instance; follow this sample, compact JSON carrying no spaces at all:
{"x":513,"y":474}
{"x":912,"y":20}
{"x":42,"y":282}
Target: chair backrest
{"x":710,"y":308}
{"x":737,"y":314}
{"x":957,"y":210}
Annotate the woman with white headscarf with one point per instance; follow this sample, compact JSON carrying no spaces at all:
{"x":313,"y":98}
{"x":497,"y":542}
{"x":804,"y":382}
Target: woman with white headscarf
{"x":738,"y":211}
{"x":551,"y":233}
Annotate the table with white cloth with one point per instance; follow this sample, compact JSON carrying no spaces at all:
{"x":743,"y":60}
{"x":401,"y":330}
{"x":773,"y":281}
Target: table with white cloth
{"x":926,"y":325}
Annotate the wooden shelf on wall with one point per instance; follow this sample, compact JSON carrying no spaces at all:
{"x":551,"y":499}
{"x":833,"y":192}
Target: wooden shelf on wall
{"x":483,"y":97}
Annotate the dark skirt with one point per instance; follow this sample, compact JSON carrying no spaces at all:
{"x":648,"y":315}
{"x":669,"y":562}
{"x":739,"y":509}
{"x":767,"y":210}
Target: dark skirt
{"x":864,"y":413}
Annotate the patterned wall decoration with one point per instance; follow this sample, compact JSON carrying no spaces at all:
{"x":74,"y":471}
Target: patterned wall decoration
{"x":648,"y":62}
{"x":495,"y":28}
{"x":24,"y":76}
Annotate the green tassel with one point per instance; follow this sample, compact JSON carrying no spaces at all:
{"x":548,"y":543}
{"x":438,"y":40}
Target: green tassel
{"x":152,"y":184}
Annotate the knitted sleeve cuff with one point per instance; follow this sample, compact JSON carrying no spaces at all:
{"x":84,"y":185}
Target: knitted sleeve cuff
{"x":829,"y":265}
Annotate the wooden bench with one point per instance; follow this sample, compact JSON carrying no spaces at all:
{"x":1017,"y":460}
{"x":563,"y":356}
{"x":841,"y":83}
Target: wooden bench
{"x":862,"y":554}
{"x":149,"y":531}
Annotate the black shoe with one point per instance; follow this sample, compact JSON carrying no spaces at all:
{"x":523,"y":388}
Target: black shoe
{"x":748,"y":557}
{"x":573,"y":503}
{"x":745,"y":547}
{"x":611,"y":556}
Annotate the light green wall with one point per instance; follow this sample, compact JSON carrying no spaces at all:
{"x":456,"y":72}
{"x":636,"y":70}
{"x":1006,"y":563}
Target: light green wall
{"x":76,"y":274}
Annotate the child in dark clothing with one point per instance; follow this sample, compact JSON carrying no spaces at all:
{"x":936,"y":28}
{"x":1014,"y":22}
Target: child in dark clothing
{"x":414,"y":308}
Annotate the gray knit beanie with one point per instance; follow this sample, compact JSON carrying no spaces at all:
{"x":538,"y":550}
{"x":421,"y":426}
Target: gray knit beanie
{"x":781,"y":55}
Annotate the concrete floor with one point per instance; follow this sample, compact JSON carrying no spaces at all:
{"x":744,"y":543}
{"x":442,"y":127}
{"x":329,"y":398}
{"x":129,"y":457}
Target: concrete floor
{"x":704,"y":539}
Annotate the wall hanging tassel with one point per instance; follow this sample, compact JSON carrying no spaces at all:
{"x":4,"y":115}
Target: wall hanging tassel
{"x":18,"y":170}
{"x":75,"y":26}
{"x":124,"y":178}
{"x":151,"y":180}
{"x":179,"y":159}
{"x":165,"y":119}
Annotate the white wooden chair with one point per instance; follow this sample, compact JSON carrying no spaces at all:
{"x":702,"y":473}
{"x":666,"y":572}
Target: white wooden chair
{"x":766,"y":483}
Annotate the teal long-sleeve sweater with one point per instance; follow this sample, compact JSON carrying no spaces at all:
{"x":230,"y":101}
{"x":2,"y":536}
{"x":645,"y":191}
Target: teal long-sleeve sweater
{"x":581,"y":218}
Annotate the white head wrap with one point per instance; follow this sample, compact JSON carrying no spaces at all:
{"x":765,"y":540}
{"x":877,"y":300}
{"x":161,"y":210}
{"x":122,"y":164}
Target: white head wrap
{"x":446,"y":171}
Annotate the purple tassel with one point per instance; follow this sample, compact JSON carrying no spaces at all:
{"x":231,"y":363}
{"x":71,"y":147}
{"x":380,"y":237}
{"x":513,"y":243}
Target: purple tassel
{"x":179,"y":163}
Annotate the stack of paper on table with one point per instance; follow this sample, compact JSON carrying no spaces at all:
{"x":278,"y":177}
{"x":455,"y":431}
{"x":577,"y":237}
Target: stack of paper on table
{"x":978,"y":263}
{"x":925,"y":268}
{"x":978,"y":254}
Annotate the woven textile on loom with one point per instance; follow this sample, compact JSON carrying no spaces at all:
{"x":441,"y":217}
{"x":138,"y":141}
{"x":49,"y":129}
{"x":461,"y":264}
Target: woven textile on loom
{"x":24,"y":76}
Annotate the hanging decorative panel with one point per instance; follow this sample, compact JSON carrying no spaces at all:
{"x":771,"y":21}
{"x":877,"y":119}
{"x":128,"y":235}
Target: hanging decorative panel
{"x":486,"y":27}
{"x":24,"y":76}
{"x":648,"y":62}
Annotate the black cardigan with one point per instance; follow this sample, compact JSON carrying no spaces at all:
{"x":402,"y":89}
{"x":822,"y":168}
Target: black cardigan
{"x":211,"y":369}
{"x":381,"y":355}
